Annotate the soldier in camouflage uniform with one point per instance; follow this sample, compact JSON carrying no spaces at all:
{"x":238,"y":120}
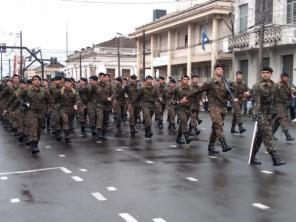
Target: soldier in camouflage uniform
{"x":83,"y":92}
{"x":91,"y":105}
{"x":283,"y":99}
{"x":130,"y":92}
{"x":263,"y":94}
{"x":34,"y":100}
{"x":240,"y":91}
{"x":183,"y":109}
{"x":56,"y":124}
{"x":194,"y":119}
{"x":160,"y":104}
{"x":171,"y":104}
{"x":102,"y":95}
{"x":218,"y":96}
{"x":69,"y":100}
{"x":118,"y":103}
{"x":148,"y":94}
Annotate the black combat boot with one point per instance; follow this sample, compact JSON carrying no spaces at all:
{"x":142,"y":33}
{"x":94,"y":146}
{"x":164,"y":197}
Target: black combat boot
{"x":150,"y":134}
{"x":187,"y":139}
{"x":170,"y":126}
{"x":99,"y":134}
{"x":34,"y":147}
{"x":104,"y":131}
{"x":179,"y":138}
{"x":133,"y":131}
{"x":254,"y":160}
{"x":288,"y":135}
{"x":211,"y":149}
{"x":59,"y":135}
{"x":160,"y":124}
{"x":173,"y":126}
{"x":232,"y":130}
{"x":67,"y":136}
{"x":197,"y":131}
{"x":190,"y":131}
{"x":83,"y":132}
{"x":93,"y":131}
{"x":21,"y":138}
{"x":146,"y":132}
{"x":241,"y":129}
{"x":224,"y":145}
{"x":199,"y":121}
{"x":276,"y":159}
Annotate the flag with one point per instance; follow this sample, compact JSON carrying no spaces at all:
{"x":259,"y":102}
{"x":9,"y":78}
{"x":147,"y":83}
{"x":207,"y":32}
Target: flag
{"x":204,"y":40}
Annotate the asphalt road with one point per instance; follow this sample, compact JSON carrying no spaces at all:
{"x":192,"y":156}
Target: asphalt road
{"x":132,"y":180}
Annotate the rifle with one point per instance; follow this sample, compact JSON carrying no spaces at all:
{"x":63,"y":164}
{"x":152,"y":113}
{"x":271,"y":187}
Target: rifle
{"x":228,"y":88}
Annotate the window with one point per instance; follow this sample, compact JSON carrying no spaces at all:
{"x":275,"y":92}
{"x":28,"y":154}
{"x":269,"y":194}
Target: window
{"x":264,"y":11}
{"x":244,"y":68}
{"x":266,"y":62}
{"x":243,"y":18}
{"x":186,"y":40}
{"x":291,"y":12}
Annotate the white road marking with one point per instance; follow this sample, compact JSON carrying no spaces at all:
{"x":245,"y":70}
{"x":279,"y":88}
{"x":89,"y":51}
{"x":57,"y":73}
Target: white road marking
{"x":149,"y":162}
{"x":47,"y":147}
{"x":77,"y":178}
{"x":192,"y":179}
{"x":83,"y":170}
{"x":15,"y":200}
{"x":119,"y":150}
{"x":29,"y":171}
{"x":261,"y":206}
{"x":203,"y":128}
{"x":111,"y":188}
{"x":4,"y":178}
{"x":66,"y":170}
{"x":158,"y":220}
{"x":62,"y":155}
{"x":98,"y":142}
{"x":213,"y":157}
{"x":127,"y":217}
{"x":99,"y":196}
{"x":266,"y":172}
{"x":173,"y":146}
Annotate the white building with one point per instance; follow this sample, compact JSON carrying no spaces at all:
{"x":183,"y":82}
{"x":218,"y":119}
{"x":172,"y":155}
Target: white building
{"x":279,"y":51}
{"x":103,"y":57}
{"x":173,"y":43}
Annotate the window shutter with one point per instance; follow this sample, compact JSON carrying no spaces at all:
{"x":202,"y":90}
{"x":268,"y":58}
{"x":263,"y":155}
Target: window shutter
{"x":289,"y":13}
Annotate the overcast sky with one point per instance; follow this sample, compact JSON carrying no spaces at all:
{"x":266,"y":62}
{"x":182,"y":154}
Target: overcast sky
{"x":43,"y":22}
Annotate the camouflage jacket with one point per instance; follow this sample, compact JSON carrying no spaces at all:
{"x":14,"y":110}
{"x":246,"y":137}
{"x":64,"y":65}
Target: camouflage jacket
{"x":263,"y":94}
{"x":283,"y":94}
{"x":197,"y":98}
{"x":238,"y":88}
{"x":67,"y":98}
{"x":130,"y":91}
{"x":181,"y":92}
{"x":83,"y":94}
{"x":162,"y":88}
{"x":99,"y":95}
{"x":148,"y":94}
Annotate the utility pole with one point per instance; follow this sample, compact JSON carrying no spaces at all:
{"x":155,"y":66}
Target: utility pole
{"x":118,"y":56}
{"x":1,"y":63}
{"x":261,"y":39}
{"x":21,"y":54}
{"x":80,"y":68}
{"x":144,"y":46}
{"x":233,"y":36}
{"x":67,"y":41}
{"x":9,"y":68}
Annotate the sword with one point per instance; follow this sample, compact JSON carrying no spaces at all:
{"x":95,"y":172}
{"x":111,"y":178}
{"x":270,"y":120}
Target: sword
{"x":253,"y":140}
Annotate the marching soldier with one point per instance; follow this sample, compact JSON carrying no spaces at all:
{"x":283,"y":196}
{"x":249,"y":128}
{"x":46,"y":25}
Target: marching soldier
{"x":194,"y":119}
{"x":218,"y":96}
{"x":83,"y":92}
{"x":161,"y":102}
{"x":118,"y":103}
{"x":91,"y":105}
{"x":240,"y":91}
{"x":263,"y":94}
{"x":171,"y":104}
{"x":283,"y":99}
{"x":148,"y":95}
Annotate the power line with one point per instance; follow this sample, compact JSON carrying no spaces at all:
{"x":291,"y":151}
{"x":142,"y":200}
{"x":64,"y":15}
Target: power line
{"x":123,"y":3}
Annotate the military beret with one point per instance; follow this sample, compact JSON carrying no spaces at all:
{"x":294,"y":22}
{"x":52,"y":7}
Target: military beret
{"x":101,"y":74}
{"x":161,"y":77}
{"x":36,"y":77}
{"x":194,"y":76}
{"x":83,"y":79}
{"x":134,"y":77}
{"x":285,"y":74}
{"x":67,"y":80}
{"x":149,"y":77}
{"x":172,"y":81}
{"x":267,"y":69}
{"x":218,"y":66}
{"x":95,"y":78}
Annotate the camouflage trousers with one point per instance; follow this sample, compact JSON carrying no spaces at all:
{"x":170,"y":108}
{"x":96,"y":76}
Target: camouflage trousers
{"x":217,"y":116}
{"x":56,"y":123}
{"x":148,"y":112}
{"x":67,"y":117}
{"x":118,"y":109}
{"x":237,"y":114}
{"x":282,"y":118}
{"x":102,"y":118}
{"x":264,"y":134}
{"x":159,"y":110}
{"x":33,"y":125}
{"x":82,"y":115}
{"x":132,"y":112}
{"x":171,"y":113}
{"x":194,"y":118}
{"x":92,"y":115}
{"x":183,"y":116}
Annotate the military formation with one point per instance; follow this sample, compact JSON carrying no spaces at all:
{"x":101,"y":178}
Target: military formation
{"x":59,"y":105}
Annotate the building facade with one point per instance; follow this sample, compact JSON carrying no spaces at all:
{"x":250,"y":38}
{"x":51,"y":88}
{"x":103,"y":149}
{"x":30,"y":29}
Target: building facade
{"x":174,"y":44}
{"x":103,"y":57}
{"x":279,"y":49}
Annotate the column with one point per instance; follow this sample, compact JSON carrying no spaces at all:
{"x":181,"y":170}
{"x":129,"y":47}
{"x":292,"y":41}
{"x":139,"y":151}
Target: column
{"x":169,"y":65}
{"x":214,"y":45}
{"x":152,"y":55}
{"x":189,"y":50}
{"x":139,"y":56}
